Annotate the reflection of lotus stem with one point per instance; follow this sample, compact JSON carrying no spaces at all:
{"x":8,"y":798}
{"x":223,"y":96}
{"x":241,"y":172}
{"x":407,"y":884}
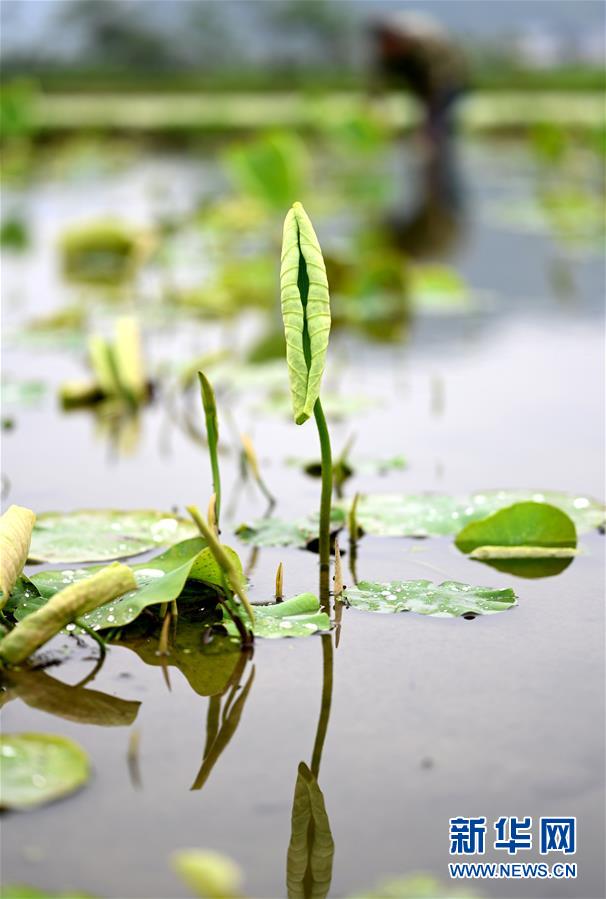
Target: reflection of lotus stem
{"x":327,"y":678}
{"x":353,"y":538}
{"x":230,"y":722}
{"x":325,"y":503}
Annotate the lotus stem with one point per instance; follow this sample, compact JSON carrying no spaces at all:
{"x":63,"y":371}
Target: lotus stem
{"x":211,"y":514}
{"x":253,"y":463}
{"x":353,"y":528}
{"x":338,"y":580}
{"x":325,"y":504}
{"x":94,"y":636}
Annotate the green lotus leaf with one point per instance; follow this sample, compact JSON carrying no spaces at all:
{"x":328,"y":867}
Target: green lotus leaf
{"x":538,"y":527}
{"x":450,"y":599}
{"x":305,"y":310}
{"x":209,"y":875}
{"x":272,"y":168}
{"x":38,"y":768}
{"x":415,"y":886}
{"x":438,"y":288}
{"x":160,"y":580}
{"x":277,"y":532}
{"x":297,"y":617}
{"x":98,"y":535}
{"x":23,"y":891}
{"x":434,"y":515}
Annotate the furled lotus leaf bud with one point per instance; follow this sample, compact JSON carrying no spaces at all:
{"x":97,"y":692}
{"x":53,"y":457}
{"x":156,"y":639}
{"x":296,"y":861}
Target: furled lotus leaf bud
{"x":68,"y":604}
{"x":16,"y":526}
{"x":305,"y":310}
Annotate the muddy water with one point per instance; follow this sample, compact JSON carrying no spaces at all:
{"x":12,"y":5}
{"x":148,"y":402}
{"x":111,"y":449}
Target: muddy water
{"x":430,"y":718}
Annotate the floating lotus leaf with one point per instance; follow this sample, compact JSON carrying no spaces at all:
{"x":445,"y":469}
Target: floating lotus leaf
{"x":160,"y":580}
{"x":538,"y":527}
{"x":22,"y":891}
{"x":415,"y":886}
{"x":277,"y":532}
{"x":38,"y":768}
{"x":526,"y":539}
{"x":97,"y":535}
{"x":297,"y":617}
{"x":433,"y":515}
{"x":209,"y":875}
{"x":438,"y":288}
{"x":271,"y":168}
{"x":448,"y":600}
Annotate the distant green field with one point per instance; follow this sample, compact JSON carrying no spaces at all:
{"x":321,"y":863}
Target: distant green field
{"x":150,"y":112}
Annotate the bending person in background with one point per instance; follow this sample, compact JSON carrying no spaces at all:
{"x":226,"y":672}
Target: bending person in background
{"x":414,"y":51}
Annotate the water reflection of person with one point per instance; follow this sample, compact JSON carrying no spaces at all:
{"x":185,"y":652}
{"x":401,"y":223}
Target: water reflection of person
{"x":414,"y":52}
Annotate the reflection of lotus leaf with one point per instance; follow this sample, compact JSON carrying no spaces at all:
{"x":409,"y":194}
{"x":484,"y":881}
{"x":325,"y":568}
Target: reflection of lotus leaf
{"x":207,"y":667}
{"x":40,"y":691}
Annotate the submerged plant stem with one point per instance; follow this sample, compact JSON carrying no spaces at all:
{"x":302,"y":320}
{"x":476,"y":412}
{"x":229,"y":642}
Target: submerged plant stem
{"x":325,"y":504}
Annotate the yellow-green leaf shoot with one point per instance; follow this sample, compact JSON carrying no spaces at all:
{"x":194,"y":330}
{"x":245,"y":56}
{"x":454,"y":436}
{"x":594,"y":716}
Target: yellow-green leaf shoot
{"x":16,"y":526}
{"x":305,"y":310}
{"x":61,"y":609}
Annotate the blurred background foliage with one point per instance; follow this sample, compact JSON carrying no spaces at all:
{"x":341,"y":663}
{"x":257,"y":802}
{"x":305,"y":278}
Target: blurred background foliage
{"x":260,"y":44}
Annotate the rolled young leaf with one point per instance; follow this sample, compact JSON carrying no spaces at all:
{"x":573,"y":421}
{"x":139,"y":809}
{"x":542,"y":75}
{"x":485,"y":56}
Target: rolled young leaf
{"x":66,"y":605}
{"x":212,"y":432}
{"x":305,"y":310}
{"x":16,"y":526}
